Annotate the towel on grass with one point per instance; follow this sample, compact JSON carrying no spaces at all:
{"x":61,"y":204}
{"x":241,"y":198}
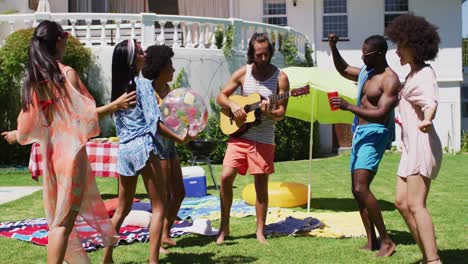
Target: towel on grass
{"x":336,"y":224}
{"x":292,"y":226}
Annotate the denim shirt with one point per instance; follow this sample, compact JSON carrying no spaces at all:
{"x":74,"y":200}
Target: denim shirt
{"x":142,"y":119}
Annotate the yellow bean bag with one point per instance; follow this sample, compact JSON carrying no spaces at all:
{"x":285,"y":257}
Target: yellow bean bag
{"x":280,"y":194}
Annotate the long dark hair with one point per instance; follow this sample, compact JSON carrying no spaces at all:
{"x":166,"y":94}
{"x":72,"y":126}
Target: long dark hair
{"x":43,"y":71}
{"x":122,"y":73}
{"x":259,"y":38}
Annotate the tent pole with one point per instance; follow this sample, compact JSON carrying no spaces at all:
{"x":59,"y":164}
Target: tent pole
{"x":311,"y":144}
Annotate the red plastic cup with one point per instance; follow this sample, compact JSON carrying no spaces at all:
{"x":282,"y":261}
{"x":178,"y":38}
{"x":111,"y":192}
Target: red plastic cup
{"x":332,"y":95}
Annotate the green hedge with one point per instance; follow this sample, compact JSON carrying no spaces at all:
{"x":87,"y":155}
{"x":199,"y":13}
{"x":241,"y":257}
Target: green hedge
{"x":293,"y":139}
{"x":290,"y":53}
{"x":464,"y":143}
{"x":212,"y":131}
{"x":13,"y":59}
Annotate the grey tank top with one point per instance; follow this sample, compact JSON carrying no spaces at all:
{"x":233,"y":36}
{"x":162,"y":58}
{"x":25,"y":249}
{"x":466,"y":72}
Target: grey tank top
{"x":265,"y":131}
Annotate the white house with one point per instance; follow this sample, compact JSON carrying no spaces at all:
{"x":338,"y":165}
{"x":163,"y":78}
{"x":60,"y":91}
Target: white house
{"x":353,"y":20}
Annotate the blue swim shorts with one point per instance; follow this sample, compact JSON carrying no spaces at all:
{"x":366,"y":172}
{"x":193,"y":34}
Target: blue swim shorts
{"x":369,"y":144}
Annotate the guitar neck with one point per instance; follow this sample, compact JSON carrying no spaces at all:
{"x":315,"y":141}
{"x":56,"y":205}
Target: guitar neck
{"x":273,"y":99}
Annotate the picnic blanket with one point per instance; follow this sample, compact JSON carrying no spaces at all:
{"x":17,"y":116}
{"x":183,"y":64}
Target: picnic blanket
{"x":207,"y":207}
{"x":335,"y":224}
{"x":36,"y":231}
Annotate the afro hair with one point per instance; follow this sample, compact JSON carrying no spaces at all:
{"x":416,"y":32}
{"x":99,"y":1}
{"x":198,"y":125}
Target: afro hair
{"x":416,"y":33}
{"x":157,"y":57}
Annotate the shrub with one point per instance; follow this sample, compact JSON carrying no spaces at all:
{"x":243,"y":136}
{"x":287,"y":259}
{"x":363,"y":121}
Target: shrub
{"x":290,"y":53}
{"x":212,"y":131}
{"x":289,"y":50}
{"x":309,"y":62}
{"x":219,"y":37}
{"x":293,"y":139}
{"x":13,"y":59}
{"x":181,"y":80}
{"x":464,"y":143}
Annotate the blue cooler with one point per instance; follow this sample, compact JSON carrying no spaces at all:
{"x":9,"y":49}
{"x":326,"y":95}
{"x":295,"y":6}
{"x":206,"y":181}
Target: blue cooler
{"x":194,"y":181}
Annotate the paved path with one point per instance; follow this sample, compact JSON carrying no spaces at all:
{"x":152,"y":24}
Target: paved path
{"x":8,"y":194}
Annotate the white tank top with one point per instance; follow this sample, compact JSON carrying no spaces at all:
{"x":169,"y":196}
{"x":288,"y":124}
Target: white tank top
{"x":265,"y":131}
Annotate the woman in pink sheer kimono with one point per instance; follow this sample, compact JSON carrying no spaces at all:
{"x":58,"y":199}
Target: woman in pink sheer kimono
{"x":60,"y":114}
{"x":421,"y":154}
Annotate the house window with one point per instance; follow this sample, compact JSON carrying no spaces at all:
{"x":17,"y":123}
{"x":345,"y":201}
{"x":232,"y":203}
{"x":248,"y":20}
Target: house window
{"x":394,"y":8}
{"x":33,"y":4}
{"x":335,"y":18}
{"x":464,"y":100}
{"x":106,"y":6}
{"x":274,"y":12}
{"x":79,"y":6}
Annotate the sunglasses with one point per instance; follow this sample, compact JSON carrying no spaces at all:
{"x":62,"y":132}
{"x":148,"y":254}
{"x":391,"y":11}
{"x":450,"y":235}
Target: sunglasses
{"x":364,"y":55}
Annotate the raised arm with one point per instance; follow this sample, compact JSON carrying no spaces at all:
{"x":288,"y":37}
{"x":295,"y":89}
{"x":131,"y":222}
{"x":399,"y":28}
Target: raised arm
{"x":228,"y":89}
{"x":349,"y":72}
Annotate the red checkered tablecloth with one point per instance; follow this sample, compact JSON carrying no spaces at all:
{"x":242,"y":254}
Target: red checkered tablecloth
{"x":102,"y":156}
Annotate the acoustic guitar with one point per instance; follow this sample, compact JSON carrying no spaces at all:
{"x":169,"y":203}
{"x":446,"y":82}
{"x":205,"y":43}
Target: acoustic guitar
{"x":251,"y":104}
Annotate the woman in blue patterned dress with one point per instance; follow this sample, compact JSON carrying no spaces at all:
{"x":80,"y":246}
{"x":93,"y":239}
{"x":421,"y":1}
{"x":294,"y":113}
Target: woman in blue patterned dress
{"x":137,"y":129}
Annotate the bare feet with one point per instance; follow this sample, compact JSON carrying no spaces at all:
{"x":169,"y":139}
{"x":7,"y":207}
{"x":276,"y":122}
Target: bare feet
{"x":168,"y":241}
{"x":261,"y":238}
{"x":222,"y":234}
{"x":387,"y":248}
{"x":163,"y":251}
{"x":371,"y":246}
{"x":366,"y":247}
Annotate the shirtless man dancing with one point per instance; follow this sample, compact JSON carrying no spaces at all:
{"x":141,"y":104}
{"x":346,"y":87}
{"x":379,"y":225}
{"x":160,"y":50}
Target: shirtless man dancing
{"x":378,"y":88}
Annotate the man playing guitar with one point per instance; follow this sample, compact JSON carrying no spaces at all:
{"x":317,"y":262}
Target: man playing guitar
{"x":254,"y":149}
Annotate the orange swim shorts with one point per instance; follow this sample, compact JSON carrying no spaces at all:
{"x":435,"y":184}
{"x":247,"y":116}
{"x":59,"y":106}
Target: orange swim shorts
{"x":243,"y":154}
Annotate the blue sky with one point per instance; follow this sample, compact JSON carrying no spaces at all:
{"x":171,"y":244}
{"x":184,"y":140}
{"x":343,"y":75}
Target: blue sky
{"x":465,"y":19}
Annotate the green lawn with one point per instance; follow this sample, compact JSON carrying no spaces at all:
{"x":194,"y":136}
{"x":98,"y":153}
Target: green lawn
{"x":448,"y":203}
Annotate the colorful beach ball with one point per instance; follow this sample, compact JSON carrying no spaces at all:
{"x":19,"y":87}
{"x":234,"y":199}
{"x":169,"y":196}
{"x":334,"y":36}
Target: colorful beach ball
{"x":182,"y":108}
